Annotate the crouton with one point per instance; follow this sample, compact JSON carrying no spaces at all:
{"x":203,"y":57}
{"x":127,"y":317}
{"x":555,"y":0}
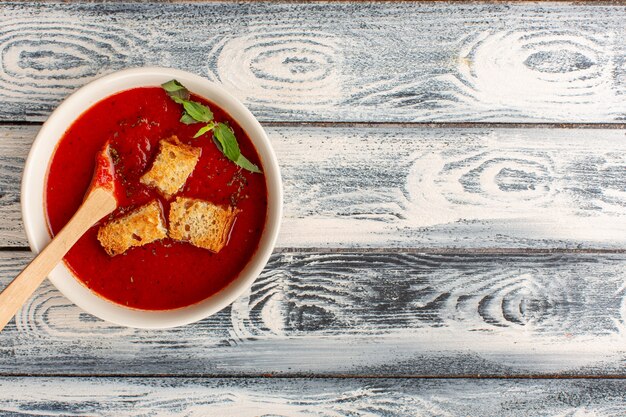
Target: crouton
{"x":137,"y":228}
{"x":201,"y":223}
{"x":172,"y":166}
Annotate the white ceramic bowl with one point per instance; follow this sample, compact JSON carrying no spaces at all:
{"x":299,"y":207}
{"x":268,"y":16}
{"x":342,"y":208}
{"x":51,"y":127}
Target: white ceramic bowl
{"x":33,"y":184}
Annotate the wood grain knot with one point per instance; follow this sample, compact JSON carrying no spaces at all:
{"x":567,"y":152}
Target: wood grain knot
{"x":559,"y":61}
{"x":546,"y":74}
{"x":443,"y":187}
{"x":284,"y":68}
{"x":44,"y":58}
{"x":50,"y":313}
{"x":506,"y":177}
{"x":602,"y":182}
{"x":383,"y":293}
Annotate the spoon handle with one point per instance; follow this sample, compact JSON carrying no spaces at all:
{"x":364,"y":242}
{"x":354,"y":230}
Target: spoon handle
{"x":98,"y":204}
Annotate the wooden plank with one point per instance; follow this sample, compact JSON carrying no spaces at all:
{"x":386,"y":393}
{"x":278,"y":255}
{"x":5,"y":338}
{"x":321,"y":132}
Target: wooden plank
{"x":328,"y":62}
{"x":15,"y":143}
{"x":419,"y":187}
{"x":310,"y":397}
{"x":354,"y":313}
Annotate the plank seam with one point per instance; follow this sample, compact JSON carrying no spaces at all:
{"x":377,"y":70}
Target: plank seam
{"x":573,"y":3}
{"x":433,"y":125}
{"x":320,"y":376}
{"x":449,"y":125}
{"x":424,"y":250}
{"x":459,"y":251}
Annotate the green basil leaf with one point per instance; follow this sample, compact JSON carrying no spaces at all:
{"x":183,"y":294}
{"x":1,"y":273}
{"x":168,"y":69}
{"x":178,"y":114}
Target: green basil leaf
{"x":226,"y":138}
{"x":198,"y":111}
{"x":187,"y":119}
{"x":173,"y":85}
{"x":179,"y":94}
{"x":227,"y":143}
{"x":176,"y":90}
{"x":243,"y":162}
{"x":195,"y":112}
{"x":204,"y":129}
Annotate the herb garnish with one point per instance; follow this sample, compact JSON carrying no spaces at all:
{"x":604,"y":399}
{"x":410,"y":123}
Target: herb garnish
{"x":195,"y":112}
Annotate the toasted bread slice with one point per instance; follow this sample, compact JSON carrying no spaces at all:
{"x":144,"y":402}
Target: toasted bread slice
{"x":172,"y":166}
{"x":201,"y":223}
{"x":137,"y":228}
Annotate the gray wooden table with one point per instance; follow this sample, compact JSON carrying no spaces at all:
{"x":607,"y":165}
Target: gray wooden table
{"x":454,"y":239}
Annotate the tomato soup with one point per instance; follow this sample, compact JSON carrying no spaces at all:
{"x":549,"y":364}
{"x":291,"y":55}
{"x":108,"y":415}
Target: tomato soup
{"x":165,"y":274}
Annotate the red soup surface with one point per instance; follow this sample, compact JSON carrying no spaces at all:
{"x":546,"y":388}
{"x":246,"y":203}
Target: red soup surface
{"x":165,"y":274}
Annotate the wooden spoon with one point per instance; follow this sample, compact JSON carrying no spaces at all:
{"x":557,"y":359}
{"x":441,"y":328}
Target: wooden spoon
{"x":99,"y":201}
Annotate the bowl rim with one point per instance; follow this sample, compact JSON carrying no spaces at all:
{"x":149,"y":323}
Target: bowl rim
{"x":34,"y":179}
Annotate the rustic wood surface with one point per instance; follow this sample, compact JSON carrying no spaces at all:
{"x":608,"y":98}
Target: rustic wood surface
{"x":455,"y":206}
{"x":423,"y":187}
{"x":99,"y":202}
{"x":334,"y":62}
{"x":310,"y":397}
{"x":387,"y":313}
